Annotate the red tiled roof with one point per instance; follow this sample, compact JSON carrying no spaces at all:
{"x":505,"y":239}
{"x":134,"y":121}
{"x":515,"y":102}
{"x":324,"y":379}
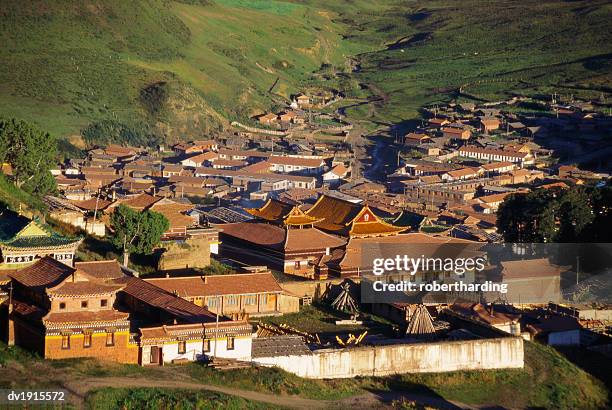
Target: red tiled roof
{"x":46,"y":272}
{"x":311,"y":239}
{"x":109,"y":269}
{"x":158,"y":298}
{"x":529,"y":268}
{"x":83,"y":288}
{"x":238,"y":284}
{"x":258,"y":233}
{"x":296,"y":161}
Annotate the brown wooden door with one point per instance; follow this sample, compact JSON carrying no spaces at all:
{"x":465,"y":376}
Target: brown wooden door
{"x":155,"y":355}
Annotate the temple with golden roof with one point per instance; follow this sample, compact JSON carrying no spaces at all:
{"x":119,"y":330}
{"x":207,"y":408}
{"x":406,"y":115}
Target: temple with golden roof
{"x":24,"y":241}
{"x":344,"y":218}
{"x":283,"y":214}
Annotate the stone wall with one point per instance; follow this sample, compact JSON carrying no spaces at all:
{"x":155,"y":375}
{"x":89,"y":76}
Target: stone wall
{"x":443,"y":356}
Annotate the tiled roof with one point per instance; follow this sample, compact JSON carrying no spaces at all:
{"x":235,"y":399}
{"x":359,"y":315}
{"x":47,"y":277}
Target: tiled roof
{"x":83,"y":288}
{"x":238,"y":284}
{"x":173,"y":212}
{"x":334,"y":213}
{"x":109,"y":269}
{"x":92,"y":203}
{"x":40,"y":242}
{"x":311,"y":239}
{"x":140,"y":202}
{"x":285,"y":345}
{"x":296,"y":161}
{"x":529,"y":269}
{"x":85,"y":316}
{"x":479,"y":312}
{"x":161,"y":299}
{"x":273,"y":210}
{"x":46,"y":272}
{"x":496,"y":165}
{"x":258,"y":233}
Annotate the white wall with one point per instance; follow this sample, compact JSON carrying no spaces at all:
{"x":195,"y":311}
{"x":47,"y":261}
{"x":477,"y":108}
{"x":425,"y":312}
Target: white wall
{"x":403,"y":358}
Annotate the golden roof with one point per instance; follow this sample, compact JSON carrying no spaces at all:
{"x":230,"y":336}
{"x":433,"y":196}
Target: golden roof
{"x":273,"y":210}
{"x":349,"y":219}
{"x":298,"y":217}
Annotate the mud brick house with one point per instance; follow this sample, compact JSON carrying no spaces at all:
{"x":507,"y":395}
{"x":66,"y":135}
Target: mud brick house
{"x":96,"y":310}
{"x":255,"y":294}
{"x":62,"y":312}
{"x":296,"y":165}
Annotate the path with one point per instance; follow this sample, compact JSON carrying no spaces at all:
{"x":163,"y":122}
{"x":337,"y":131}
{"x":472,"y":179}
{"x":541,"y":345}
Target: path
{"x":79,"y":388}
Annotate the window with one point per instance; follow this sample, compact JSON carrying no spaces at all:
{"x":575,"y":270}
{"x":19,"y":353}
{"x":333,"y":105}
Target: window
{"x":65,"y":341}
{"x":87,"y":339}
{"x":110,"y":338}
{"x":62,"y":305}
{"x":84,"y":304}
{"x":230,"y":342}
{"x":104,"y":303}
{"x":232,"y":300}
{"x":250,"y":300}
{"x":212,"y":302}
{"x":297,"y":264}
{"x":264,"y":299}
{"x":182,"y":346}
{"x":206,"y":345}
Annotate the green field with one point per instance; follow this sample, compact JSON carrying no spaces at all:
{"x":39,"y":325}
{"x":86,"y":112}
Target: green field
{"x":180,"y":69}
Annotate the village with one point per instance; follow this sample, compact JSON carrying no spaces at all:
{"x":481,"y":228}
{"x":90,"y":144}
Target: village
{"x":287,"y":226}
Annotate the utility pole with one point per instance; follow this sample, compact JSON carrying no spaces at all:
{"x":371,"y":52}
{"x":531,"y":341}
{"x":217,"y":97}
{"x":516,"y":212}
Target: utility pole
{"x":577,"y":269}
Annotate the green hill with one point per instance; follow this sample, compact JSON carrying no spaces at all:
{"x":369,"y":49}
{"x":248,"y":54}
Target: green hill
{"x":174,"y":65}
{"x":175,"y":69}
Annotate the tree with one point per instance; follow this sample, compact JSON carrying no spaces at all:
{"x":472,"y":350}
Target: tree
{"x":528,"y":217}
{"x":31,"y":153}
{"x":577,"y":214}
{"x":137,"y":232}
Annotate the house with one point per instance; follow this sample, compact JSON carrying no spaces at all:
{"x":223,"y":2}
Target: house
{"x":437,"y":122}
{"x":298,"y":165}
{"x":303,"y":101}
{"x":294,"y":247}
{"x":461,"y":174}
{"x":337,"y":173}
{"x":495,"y":168}
{"x":169,"y":170}
{"x":233,"y":164}
{"x":96,"y":310}
{"x":456,"y":133}
{"x":488,"y":124}
{"x":489,"y":315}
{"x":267,"y":119}
{"x":493,"y":154}
{"x":531,"y":281}
{"x":291,"y":117}
{"x":256,"y":294}
{"x":414,"y":139}
{"x":199,"y":160}
{"x":176,"y":214}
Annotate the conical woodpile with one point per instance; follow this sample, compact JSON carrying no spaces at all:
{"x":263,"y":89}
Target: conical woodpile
{"x":421,"y":324}
{"x":345,"y":302}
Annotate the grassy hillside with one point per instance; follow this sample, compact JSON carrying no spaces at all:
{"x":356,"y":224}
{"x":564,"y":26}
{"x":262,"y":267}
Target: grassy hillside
{"x":177,"y":68}
{"x":427,"y":50}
